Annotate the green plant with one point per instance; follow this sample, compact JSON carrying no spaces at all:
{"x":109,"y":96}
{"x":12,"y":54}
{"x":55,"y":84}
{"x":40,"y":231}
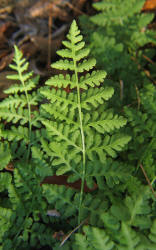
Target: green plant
{"x":120,"y":40}
{"x":81,"y":127}
{"x":76,"y":134}
{"x":21,"y":202}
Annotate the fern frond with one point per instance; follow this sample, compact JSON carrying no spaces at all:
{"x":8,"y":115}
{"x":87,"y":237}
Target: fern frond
{"x":14,"y":197}
{"x":129,"y":238}
{"x":42,"y":169}
{"x":5,"y":180}
{"x":61,"y":198}
{"x":77,"y":136}
{"x":5,"y":218}
{"x":66,"y":201}
{"x":115,"y":11}
{"x":139,"y":207}
{"x":152,"y":235}
{"x":18,"y":149}
{"x":113,"y":172}
{"x":5,"y":155}
{"x":95,"y":238}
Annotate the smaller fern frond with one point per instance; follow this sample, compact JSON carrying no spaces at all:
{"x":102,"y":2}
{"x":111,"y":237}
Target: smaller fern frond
{"x":5,"y":219}
{"x":20,"y":66}
{"x":5,"y":155}
{"x":5,"y":180}
{"x":115,"y":11}
{"x":96,"y":238}
{"x":152,"y":235}
{"x":129,"y":238}
{"x":61,"y":199}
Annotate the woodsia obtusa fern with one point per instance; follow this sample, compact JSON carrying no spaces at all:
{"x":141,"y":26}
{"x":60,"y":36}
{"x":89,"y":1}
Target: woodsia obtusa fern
{"x":80,"y":127}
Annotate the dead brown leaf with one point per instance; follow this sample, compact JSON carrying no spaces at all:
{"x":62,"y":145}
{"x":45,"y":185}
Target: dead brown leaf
{"x":62,"y":180}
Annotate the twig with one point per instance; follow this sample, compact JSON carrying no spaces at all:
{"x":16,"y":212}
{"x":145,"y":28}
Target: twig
{"x":138,"y":96}
{"x":148,"y":181}
{"x":74,"y":8}
{"x":148,"y":59}
{"x":121,"y":89}
{"x":73,"y":231}
{"x":49,"y":37}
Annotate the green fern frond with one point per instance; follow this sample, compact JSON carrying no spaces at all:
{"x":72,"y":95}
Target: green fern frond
{"x":66,"y":201}
{"x":94,"y":238}
{"x":77,"y":136}
{"x":18,"y":150}
{"x":15,"y":197}
{"x":61,"y":198}
{"x":20,"y":66}
{"x":5,"y":218}
{"x":152,"y":235}
{"x":113,"y":172}
{"x":42,"y":169}
{"x":5,"y":155}
{"x":139,"y":207}
{"x":129,"y":238}
{"x":115,"y":11}
{"x":17,"y":108}
{"x":5,"y":180}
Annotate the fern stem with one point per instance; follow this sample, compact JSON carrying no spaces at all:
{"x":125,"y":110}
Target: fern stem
{"x":82,"y":137}
{"x":29,"y":109}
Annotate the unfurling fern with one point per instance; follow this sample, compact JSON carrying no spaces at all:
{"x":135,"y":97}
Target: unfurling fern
{"x":17,"y":108}
{"x":80,"y":128}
